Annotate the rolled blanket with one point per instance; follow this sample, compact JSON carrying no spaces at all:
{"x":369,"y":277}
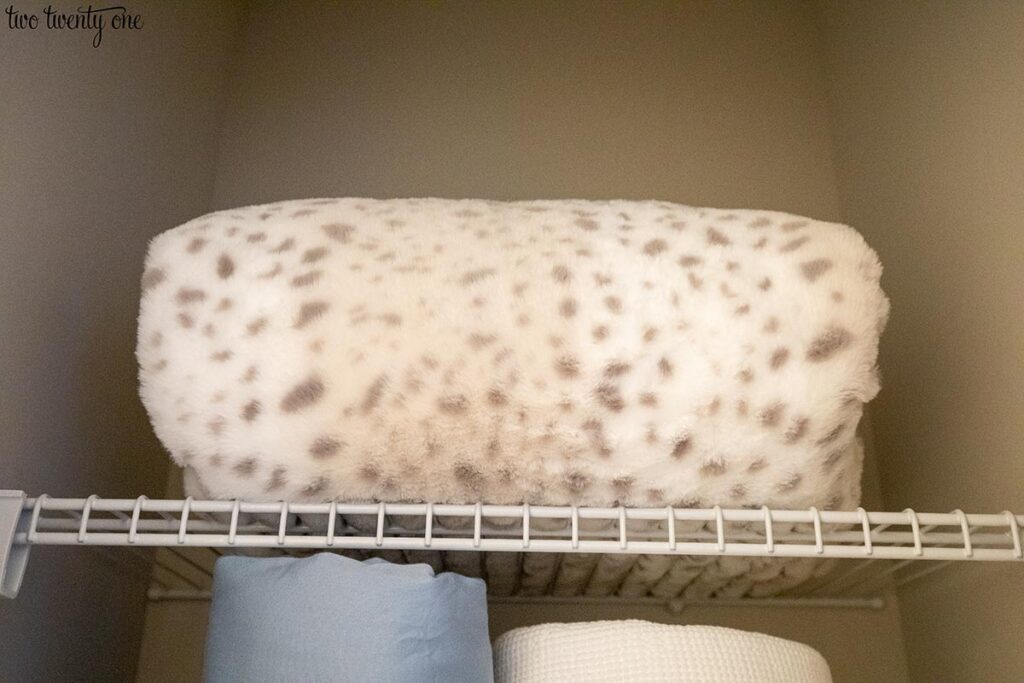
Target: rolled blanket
{"x":330,"y":618}
{"x":550,"y":352}
{"x":632,"y":650}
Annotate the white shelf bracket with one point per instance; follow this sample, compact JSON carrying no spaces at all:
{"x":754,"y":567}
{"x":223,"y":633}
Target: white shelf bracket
{"x":13,"y":558}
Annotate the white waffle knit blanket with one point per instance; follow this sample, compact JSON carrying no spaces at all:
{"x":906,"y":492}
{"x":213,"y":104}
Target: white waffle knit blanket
{"x":643,"y":652}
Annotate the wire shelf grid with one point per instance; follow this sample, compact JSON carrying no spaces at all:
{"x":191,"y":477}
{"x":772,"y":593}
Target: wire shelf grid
{"x":904,"y":537}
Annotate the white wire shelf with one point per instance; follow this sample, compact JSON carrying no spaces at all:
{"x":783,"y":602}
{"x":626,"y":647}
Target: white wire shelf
{"x":905,"y":537}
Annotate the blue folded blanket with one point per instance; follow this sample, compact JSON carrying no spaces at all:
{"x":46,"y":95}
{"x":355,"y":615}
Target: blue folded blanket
{"x":331,"y":618}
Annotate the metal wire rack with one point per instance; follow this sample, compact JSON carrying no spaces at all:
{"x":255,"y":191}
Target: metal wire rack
{"x":888,"y":546}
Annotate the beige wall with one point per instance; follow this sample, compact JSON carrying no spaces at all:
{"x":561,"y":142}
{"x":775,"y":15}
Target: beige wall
{"x":929,"y":103}
{"x":718,"y":104}
{"x":99,"y":150}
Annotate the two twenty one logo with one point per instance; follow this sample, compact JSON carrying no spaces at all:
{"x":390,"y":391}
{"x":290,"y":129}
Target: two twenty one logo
{"x":94,"y":19}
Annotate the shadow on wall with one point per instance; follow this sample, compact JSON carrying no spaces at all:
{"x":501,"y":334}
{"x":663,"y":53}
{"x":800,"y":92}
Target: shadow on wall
{"x":113,"y":426}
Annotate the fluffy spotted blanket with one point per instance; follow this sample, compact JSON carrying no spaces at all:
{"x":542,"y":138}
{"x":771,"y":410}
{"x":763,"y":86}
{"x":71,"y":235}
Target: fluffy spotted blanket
{"x":643,"y":353}
{"x":553,"y":352}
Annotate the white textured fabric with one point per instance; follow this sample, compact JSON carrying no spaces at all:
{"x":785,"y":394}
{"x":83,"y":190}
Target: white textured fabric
{"x":643,"y":652}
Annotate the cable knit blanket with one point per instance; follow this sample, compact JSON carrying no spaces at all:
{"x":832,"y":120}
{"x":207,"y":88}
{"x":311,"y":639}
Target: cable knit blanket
{"x":555,"y":352}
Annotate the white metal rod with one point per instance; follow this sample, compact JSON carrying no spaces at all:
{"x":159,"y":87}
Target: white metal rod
{"x":515,"y":545}
{"x":920,"y":541}
{"x":671,"y":528}
{"x":682,"y":514}
{"x":769,"y":531}
{"x":915,"y":525}
{"x":236,"y":508}
{"x":526,"y":525}
{"x":183,"y":529}
{"x":682,"y":604}
{"x":37,"y":509}
{"x":847,"y":603}
{"x":866,"y":526}
{"x":133,"y":526}
{"x":477,"y":519}
{"x":819,"y":544}
{"x":898,"y":537}
{"x":380,"y":524}
{"x":1014,"y":533}
{"x":282,"y":526}
{"x":999,"y":540}
{"x":966,"y":529}
{"x":332,"y":518}
{"x":86,"y":510}
{"x":720,"y":528}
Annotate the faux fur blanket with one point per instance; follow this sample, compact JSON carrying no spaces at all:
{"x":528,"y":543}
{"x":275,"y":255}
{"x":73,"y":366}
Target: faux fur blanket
{"x":554,"y":352}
